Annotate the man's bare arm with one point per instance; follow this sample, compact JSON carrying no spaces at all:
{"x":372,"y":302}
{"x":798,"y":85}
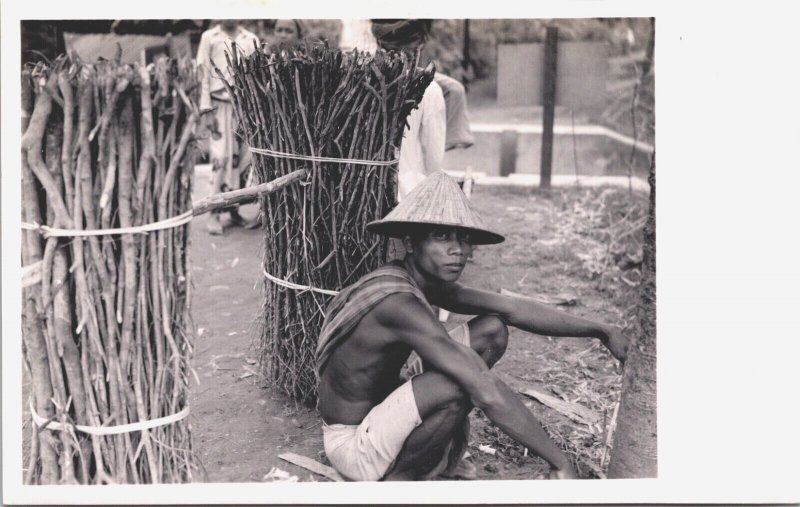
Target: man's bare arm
{"x":528,"y":314}
{"x":414,"y":325}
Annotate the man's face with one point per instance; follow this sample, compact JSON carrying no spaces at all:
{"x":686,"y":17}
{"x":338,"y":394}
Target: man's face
{"x":442,"y":253}
{"x":230,"y":24}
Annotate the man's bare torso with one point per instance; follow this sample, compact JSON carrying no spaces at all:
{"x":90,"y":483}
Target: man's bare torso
{"x":362,"y":371}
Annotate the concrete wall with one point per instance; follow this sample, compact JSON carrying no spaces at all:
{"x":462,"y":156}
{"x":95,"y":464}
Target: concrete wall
{"x":586,"y":155}
{"x":581,"y":73}
{"x":92,"y":46}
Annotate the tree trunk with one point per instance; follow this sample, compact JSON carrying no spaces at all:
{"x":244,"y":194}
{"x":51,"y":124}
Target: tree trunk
{"x":634,"y":454}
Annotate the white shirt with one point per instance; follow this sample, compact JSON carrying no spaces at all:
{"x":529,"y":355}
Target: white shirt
{"x":213,"y":44}
{"x":357,"y":33}
{"x":422,"y":148}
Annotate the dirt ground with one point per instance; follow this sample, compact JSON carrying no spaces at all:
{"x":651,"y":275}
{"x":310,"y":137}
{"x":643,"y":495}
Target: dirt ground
{"x":239,"y":428}
{"x":579,"y":248}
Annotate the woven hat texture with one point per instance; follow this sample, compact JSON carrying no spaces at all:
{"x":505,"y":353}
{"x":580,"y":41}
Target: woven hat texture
{"x":437,"y":200}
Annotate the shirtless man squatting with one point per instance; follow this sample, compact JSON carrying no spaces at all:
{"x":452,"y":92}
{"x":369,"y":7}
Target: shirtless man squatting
{"x":377,"y":426}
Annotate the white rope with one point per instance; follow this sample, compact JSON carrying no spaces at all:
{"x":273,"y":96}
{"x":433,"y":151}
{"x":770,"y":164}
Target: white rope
{"x":290,"y":285}
{"x":311,"y":158}
{"x":110,"y":430}
{"x":168,"y":223}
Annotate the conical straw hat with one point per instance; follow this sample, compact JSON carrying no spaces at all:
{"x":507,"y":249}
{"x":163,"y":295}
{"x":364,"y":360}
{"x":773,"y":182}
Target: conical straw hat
{"x":437,"y":200}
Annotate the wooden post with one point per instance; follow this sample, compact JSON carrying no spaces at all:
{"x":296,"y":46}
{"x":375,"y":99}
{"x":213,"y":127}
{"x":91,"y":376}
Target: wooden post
{"x":634,"y":454}
{"x":508,"y":152}
{"x":549,"y":104}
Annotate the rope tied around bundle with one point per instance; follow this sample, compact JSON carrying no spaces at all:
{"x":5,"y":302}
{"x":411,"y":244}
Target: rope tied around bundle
{"x":118,"y":429}
{"x":168,"y":223}
{"x":297,"y":286}
{"x":312,"y":158}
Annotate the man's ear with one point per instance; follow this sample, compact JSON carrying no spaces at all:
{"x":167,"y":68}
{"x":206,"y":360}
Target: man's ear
{"x":408,"y":244}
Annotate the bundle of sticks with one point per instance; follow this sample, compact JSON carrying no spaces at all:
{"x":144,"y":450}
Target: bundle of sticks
{"x":341,"y":116}
{"x":107,"y":335}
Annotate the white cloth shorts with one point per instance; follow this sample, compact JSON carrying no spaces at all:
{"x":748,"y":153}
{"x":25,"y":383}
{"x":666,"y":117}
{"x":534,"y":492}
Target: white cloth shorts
{"x":365,"y":452}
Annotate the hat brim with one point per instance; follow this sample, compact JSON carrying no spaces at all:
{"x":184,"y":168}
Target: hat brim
{"x":399,"y":229}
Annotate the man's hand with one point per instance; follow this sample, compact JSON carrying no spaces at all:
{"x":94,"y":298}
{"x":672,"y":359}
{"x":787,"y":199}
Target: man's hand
{"x":617,"y":343}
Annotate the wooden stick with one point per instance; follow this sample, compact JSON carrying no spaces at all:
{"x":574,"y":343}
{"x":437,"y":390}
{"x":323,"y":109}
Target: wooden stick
{"x":612,"y":425}
{"x":313,"y":466}
{"x":246,"y":195}
{"x":577,"y":413}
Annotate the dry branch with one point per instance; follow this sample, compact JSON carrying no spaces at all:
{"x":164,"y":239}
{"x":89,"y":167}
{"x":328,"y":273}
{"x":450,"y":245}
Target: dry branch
{"x":319,"y":102}
{"x":89,"y":316}
{"x":246,"y":195}
{"x":574,"y":411}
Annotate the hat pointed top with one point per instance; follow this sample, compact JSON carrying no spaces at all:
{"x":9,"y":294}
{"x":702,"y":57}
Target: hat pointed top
{"x":437,"y":200}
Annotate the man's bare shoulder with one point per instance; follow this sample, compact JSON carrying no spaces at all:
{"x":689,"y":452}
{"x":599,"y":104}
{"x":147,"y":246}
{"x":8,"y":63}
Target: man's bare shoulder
{"x":400,"y":310}
{"x":446,"y":289}
{"x":406,"y":319}
{"x":447,"y":292}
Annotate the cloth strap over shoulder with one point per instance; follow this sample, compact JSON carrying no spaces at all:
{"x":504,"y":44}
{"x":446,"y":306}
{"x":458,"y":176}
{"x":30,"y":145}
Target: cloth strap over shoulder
{"x":348,"y":308}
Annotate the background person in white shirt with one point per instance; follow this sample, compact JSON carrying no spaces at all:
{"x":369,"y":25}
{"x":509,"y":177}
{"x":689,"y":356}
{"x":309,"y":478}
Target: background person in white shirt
{"x":357,"y":34}
{"x":227,"y":154}
{"x":422,"y":148}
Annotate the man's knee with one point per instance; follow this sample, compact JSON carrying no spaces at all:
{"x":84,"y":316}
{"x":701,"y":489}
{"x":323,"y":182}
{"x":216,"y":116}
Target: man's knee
{"x":492,"y":334}
{"x":435,"y":391}
{"x":455,"y":406}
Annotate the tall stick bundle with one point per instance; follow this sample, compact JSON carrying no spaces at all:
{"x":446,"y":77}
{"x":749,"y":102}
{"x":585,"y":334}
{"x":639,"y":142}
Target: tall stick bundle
{"x":107,"y":334}
{"x":325,"y":103}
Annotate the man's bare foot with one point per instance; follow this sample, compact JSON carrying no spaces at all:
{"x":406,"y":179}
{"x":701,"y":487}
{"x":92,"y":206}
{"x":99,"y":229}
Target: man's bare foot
{"x":465,"y":470}
{"x":213,"y":225}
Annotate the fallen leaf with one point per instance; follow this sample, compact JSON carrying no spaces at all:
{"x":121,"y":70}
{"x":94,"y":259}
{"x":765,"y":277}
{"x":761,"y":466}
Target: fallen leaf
{"x":235,"y":262}
{"x":278,"y":475}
